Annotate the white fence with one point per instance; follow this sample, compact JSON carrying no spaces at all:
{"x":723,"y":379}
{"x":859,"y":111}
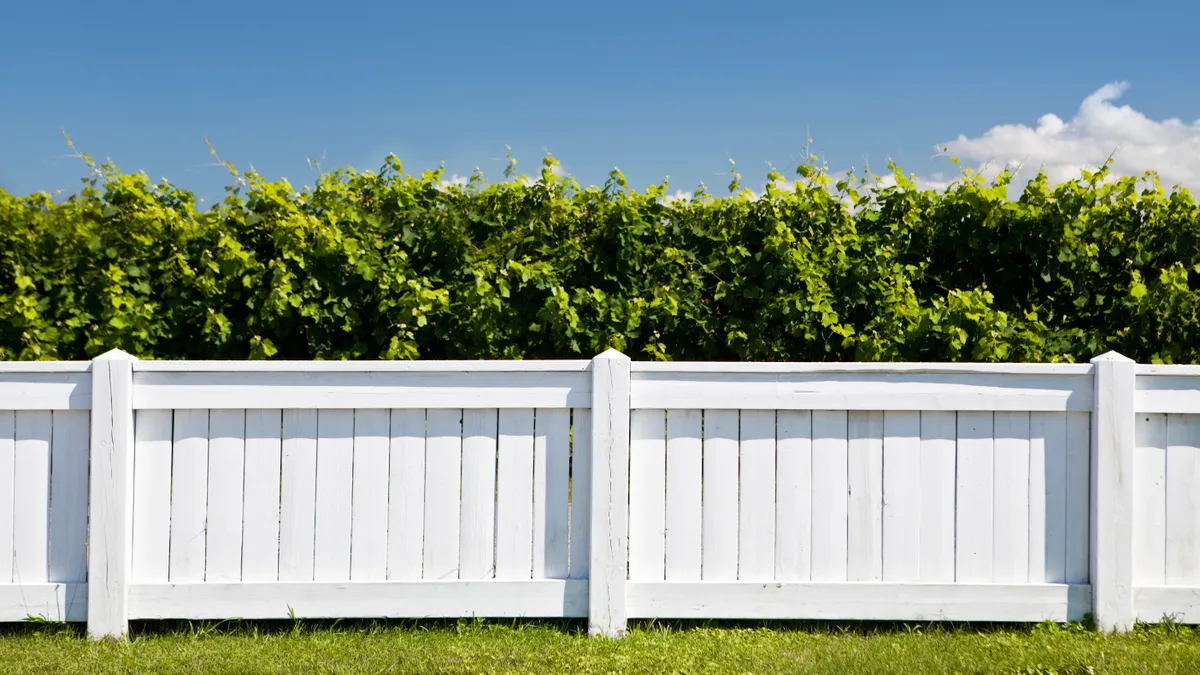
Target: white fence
{"x":603,"y":489}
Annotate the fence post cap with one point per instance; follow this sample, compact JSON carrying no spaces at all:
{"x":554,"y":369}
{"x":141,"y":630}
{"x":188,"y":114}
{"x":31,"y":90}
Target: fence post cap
{"x":1111,"y":357}
{"x":116,"y":355}
{"x":611,"y":353}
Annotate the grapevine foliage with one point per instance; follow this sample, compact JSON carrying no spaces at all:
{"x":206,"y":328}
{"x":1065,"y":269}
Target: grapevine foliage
{"x":388,"y":265}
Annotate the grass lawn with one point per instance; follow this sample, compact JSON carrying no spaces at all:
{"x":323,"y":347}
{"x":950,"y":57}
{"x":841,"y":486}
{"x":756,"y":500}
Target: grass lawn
{"x":556,"y":647}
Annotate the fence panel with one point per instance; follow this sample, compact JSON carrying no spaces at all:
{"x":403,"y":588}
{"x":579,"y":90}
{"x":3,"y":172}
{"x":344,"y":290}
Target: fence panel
{"x":825,"y":491}
{"x":44,"y":432}
{"x":1166,"y":494}
{"x":408,"y":501}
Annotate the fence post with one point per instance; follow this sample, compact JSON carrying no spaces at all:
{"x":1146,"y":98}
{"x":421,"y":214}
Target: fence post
{"x":110,"y":511}
{"x":1111,"y":510}
{"x":610,"y":494}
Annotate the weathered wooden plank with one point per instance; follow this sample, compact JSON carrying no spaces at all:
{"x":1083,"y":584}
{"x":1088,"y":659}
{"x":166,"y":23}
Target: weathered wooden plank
{"x":685,"y":501}
{"x":226,"y":479}
{"x":369,"y":509}
{"x":720,"y":512}
{"x":647,"y":495}
{"x":902,"y":496}
{"x":260,"y":530}
{"x":829,"y":485}
{"x":793,"y":500}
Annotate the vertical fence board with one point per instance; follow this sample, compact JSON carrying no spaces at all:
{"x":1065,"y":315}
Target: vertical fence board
{"x":1150,"y":500}
{"x":973,"y":533}
{"x":720,"y":524}
{"x":1047,"y":497}
{"x":369,"y":505}
{"x":8,"y":435}
{"x":68,"y":496}
{"x":406,"y":495}
{"x":756,"y":508}
{"x":477,"y":542}
{"x":226,"y":478}
{"x":864,"y":473}
{"x":902,"y":496}
{"x":152,"y":496}
{"x":443,"y":475}
{"x":515,"y":483}
{"x":189,"y":495}
{"x":335,"y":486}
{"x":1010,"y":537}
{"x":647,"y":495}
{"x":829,"y":485}
{"x":551,"y":514}
{"x":260,"y":529}
{"x":298,"y":497}
{"x":31,"y":497}
{"x":1078,"y":497}
{"x":581,"y":493}
{"x":793,"y":499}
{"x":939,"y":469}
{"x":1182,"y":500}
{"x":684,"y":498}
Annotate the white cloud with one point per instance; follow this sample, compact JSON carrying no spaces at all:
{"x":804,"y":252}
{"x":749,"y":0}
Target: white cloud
{"x":1170,"y":147}
{"x":678,"y":195}
{"x":454,"y":180}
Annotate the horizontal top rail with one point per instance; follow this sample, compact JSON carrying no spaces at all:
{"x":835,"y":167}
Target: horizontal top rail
{"x":1167,"y":389}
{"x":871,"y":367}
{"x":996,"y":389}
{"x":45,"y":366}
{"x":307,"y":389}
{"x":360,"y":366}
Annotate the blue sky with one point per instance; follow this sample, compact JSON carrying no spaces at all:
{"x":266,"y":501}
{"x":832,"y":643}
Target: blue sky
{"x":668,"y":89}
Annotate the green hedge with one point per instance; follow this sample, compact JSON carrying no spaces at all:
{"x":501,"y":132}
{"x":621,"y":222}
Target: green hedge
{"x":388,"y":265}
